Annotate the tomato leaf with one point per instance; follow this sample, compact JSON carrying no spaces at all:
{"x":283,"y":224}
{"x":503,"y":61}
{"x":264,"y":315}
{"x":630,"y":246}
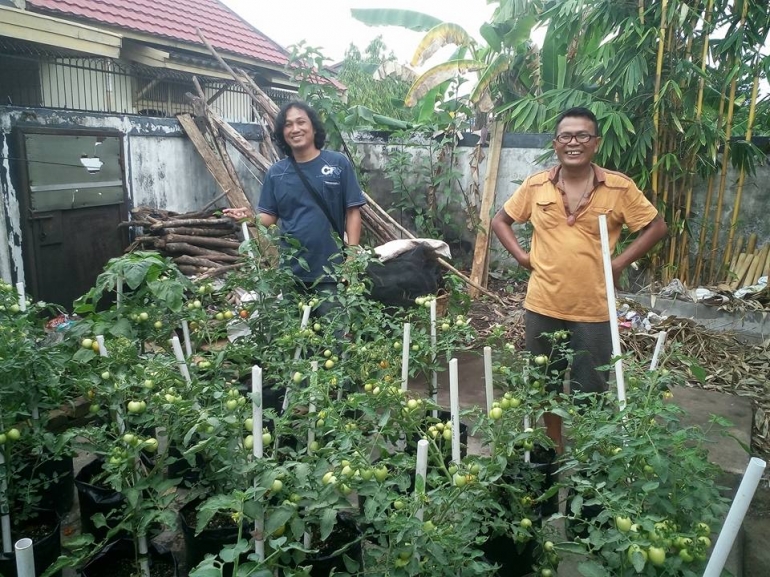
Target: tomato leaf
{"x":328,"y":520}
{"x":593,"y":569}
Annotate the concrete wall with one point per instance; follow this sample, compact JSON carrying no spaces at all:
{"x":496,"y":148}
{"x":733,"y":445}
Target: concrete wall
{"x":163,"y":170}
{"x":519,"y":159}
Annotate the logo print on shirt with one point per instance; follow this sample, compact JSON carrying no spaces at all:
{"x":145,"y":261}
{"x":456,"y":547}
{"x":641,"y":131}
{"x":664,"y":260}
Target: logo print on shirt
{"x":328,"y":170}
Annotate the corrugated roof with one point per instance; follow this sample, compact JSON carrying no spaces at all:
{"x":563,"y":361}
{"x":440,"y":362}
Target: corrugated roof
{"x":175,"y":20}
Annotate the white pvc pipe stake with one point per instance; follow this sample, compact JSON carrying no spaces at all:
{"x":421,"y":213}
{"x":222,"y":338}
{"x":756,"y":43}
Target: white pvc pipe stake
{"x":186,"y":336}
{"x":119,"y":293}
{"x":735,"y":516}
{"x":5,"y":520}
{"x":658,"y":348}
{"x":610,"y":286}
{"x":311,"y":410}
{"x":22,"y":296}
{"x":298,"y":351}
{"x":179,"y":355}
{"x":245,"y":231}
{"x":433,"y":342}
{"x":102,"y":348}
{"x":454,"y":408}
{"x":144,"y":555}
{"x":406,"y":345}
{"x":527,"y":455}
{"x":25,"y":558}
{"x":488,"y":377}
{"x":258,"y":448}
{"x":421,"y":471}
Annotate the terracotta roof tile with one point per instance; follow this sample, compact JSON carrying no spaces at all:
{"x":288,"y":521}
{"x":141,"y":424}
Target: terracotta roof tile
{"x":175,"y":20}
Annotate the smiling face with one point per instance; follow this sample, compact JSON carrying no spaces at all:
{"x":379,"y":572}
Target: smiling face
{"x":574,"y":154}
{"x":298,"y":132}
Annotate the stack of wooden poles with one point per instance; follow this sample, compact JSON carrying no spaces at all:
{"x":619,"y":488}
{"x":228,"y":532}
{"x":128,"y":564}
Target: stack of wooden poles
{"x":749,"y":265}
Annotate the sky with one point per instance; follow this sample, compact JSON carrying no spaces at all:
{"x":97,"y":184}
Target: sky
{"x":330,"y":27}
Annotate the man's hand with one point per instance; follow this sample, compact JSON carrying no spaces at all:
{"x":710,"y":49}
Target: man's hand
{"x":239,"y":213}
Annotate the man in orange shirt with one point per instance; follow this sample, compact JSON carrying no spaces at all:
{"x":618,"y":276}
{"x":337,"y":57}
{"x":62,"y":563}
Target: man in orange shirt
{"x":566,"y":287}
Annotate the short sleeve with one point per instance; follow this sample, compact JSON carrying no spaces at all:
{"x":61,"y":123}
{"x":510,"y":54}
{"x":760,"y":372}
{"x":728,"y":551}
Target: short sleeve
{"x":636,"y":211}
{"x":267,"y":201}
{"x":354,"y":196}
{"x":519,"y":205}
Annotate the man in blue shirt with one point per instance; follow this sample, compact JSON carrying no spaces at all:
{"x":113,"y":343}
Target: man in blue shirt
{"x":285,"y":199}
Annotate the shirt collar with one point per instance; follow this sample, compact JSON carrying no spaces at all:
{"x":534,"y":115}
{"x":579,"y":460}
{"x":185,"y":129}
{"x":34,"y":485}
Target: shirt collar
{"x":599,"y":175}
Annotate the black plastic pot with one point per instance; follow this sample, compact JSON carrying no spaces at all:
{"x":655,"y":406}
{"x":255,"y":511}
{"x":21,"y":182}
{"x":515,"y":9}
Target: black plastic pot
{"x":58,"y":479}
{"x":326,"y":561}
{"x":584,"y":519}
{"x":543,"y":461}
{"x":209,"y":541}
{"x":46,"y":548}
{"x":514,"y":559}
{"x":95,"y":499}
{"x":119,"y":554}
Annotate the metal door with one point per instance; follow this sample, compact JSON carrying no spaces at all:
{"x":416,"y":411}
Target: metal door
{"x":74,"y":201}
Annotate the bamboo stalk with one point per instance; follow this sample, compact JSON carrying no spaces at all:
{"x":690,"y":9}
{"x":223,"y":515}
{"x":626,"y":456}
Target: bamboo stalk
{"x":749,"y":128}
{"x":740,"y":270}
{"x":656,"y":99}
{"x":766,"y":268}
{"x":751,"y":244}
{"x":736,"y":252}
{"x":761,"y":258}
{"x":758,"y":259}
{"x":725,"y":157}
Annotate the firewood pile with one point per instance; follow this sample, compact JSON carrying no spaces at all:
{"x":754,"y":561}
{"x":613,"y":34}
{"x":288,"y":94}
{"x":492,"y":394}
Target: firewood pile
{"x":199,"y":243}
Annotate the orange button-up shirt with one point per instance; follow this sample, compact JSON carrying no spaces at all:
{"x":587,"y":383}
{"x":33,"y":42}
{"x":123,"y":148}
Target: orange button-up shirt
{"x":567,"y":280}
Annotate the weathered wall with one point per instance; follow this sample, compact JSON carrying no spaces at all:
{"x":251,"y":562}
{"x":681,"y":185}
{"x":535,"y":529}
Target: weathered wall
{"x":519,"y":159}
{"x":163,"y":170}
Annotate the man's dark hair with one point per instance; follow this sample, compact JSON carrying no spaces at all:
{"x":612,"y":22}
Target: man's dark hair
{"x":578,"y":112}
{"x":280,"y":123}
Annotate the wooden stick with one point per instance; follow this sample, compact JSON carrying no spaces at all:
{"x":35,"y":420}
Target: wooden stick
{"x":224,"y":222}
{"x":200,"y":231}
{"x":751,"y":244}
{"x":243,"y":145}
{"x":481,"y":250}
{"x":740,"y":272}
{"x":195,"y":261}
{"x":202,"y":241}
{"x":219,"y":271}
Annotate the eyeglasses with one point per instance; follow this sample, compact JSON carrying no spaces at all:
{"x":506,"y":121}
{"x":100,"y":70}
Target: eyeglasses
{"x":581,"y":137}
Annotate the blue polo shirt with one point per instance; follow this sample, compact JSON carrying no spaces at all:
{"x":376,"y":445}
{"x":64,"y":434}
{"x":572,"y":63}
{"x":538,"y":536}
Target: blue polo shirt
{"x":299,"y":216}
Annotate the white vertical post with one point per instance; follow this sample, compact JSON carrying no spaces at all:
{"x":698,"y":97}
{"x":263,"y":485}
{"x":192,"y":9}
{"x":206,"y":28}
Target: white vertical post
{"x":102,"y":348}
{"x":25,"y":558}
{"x":433,"y":343}
{"x":119,"y":292}
{"x":611,"y":306}
{"x":179,"y":355}
{"x":527,"y":455}
{"x":258,"y":449}
{"x":245,"y":232}
{"x":5,"y":519}
{"x":407,"y":344}
{"x":658,"y":348}
{"x":421,"y":471}
{"x":454,"y":409}
{"x":735,"y":516}
{"x":22,"y":296}
{"x":488,"y":377}
{"x":186,"y":336}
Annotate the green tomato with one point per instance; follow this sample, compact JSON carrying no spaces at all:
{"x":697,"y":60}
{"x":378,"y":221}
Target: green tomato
{"x":381,"y":473}
{"x":87,"y":343}
{"x":541,"y":360}
{"x":3,"y":438}
{"x":525,"y":523}
{"x":267,"y":438}
{"x":248,"y":442}
{"x":151,"y":444}
{"x":398,"y":504}
{"x":276,"y":486}
{"x":623,"y":524}
{"x":459,"y":480}
{"x":143,"y":316}
{"x":496,"y":413}
{"x":656,"y":555}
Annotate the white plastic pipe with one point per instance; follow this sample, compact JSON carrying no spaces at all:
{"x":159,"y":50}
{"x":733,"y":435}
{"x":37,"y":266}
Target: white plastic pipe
{"x":488,"y":377}
{"x":180,"y":361}
{"x":527,"y":456}
{"x":22,"y":296}
{"x":735,"y":516}
{"x":25,"y":558}
{"x":245,"y":232}
{"x":119,"y":293}
{"x":421,"y":471}
{"x":5,"y":520}
{"x":658,"y":348}
{"x":144,"y":555}
{"x":186,"y":336}
{"x":102,"y":348}
{"x":433,"y":342}
{"x":311,"y":410}
{"x":258,"y":450}
{"x":406,"y":345}
{"x":611,"y":306}
{"x":454,"y":409}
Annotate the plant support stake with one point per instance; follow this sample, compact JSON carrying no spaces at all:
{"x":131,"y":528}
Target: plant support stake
{"x":454,"y":408}
{"x":405,"y":356}
{"x":610,"y":285}
{"x":181,"y":363}
{"x":258,"y":448}
{"x":22,"y":296}
{"x":246,"y":237}
{"x":186,"y":336}
{"x":25,"y":558}
{"x":433,"y":342}
{"x":488,"y":377}
{"x":5,"y":520}
{"x":658,"y":348}
{"x":421,"y":472}
{"x":735,"y":516}
{"x":298,"y":351}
